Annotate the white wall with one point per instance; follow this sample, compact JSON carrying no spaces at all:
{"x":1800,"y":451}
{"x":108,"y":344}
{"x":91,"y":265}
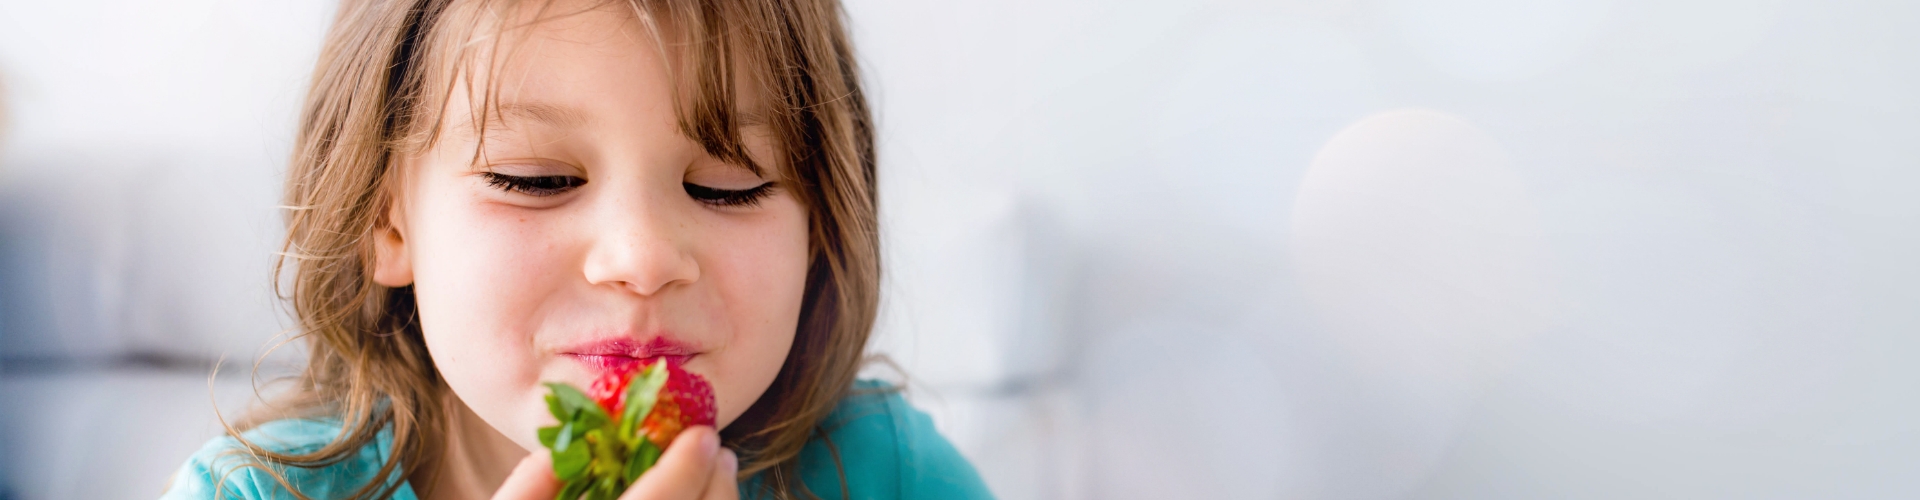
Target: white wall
{"x":140,"y":172}
{"x":1335,"y":249}
{"x":1423,"y":248}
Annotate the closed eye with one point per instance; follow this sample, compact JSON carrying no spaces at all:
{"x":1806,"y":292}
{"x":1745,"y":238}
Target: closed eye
{"x":544,"y":185}
{"x":729,"y":197}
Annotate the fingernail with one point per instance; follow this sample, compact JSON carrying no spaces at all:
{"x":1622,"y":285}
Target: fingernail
{"x":710,"y":441}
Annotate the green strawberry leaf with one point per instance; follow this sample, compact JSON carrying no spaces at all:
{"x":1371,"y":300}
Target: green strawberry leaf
{"x":642,"y":393}
{"x":571,"y":462}
{"x":563,"y":438}
{"x":595,"y":456}
{"x":548,"y":435}
{"x":608,"y":488}
{"x":565,"y":401}
{"x":553,"y":406}
{"x":594,"y":418}
{"x":576,"y":412}
{"x":603,"y":450}
{"x":643,"y":458}
{"x":572,"y":490}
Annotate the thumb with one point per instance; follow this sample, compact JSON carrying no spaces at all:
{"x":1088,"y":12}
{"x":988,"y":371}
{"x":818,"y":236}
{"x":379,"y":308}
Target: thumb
{"x":682,"y":471}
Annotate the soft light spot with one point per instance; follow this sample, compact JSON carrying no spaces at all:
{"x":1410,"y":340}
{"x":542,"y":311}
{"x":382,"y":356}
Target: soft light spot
{"x":1418,"y":246}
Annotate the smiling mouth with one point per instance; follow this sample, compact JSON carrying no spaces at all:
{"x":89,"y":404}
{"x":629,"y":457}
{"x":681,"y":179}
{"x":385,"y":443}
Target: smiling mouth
{"x":623,"y":354}
{"x":619,"y":363}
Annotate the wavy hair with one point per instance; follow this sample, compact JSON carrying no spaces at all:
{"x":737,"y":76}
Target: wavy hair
{"x":379,"y":90}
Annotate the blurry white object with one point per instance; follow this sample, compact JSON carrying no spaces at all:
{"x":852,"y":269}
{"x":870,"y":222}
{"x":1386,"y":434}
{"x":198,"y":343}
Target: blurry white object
{"x":1419,"y":246}
{"x":140,"y":175}
{"x":971,"y":291}
{"x":972,"y":313}
{"x":110,"y":434}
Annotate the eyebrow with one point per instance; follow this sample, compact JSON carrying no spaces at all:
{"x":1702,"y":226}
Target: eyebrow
{"x":538,"y":112}
{"x":558,"y":116}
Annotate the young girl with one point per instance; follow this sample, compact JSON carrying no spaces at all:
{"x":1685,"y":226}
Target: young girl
{"x":490,"y":194}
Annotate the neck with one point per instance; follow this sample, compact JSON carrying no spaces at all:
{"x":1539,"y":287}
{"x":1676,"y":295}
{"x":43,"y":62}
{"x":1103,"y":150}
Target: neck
{"x":476,"y":459}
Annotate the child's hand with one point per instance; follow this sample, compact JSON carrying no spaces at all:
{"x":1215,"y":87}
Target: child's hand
{"x":694,"y":468}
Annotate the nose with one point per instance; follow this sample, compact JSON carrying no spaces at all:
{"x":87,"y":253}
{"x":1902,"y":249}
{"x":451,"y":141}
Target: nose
{"x":641,"y":247}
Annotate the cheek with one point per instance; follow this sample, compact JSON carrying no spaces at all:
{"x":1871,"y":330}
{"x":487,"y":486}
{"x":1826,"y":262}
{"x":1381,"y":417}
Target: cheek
{"x":481,"y":277}
{"x":758,"y":270}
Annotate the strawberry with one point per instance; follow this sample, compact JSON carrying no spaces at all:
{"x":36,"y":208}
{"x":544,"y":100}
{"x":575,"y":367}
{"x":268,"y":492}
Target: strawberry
{"x":610,"y":390}
{"x":616,"y":430}
{"x":686,"y":401}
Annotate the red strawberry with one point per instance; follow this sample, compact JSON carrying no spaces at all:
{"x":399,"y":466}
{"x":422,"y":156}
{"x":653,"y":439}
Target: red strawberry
{"x":686,"y":401}
{"x":615,"y":448}
{"x":610,"y":390}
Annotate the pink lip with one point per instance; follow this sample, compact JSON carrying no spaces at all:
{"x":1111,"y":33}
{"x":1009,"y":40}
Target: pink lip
{"x":626,"y":354}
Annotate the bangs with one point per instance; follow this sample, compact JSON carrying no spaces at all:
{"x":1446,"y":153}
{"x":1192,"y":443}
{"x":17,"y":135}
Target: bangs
{"x":381,"y":89}
{"x":713,"y":65}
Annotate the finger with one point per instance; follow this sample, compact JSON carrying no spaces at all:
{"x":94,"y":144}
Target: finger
{"x":722,"y":485}
{"x":682,"y":472}
{"x":532,"y":479}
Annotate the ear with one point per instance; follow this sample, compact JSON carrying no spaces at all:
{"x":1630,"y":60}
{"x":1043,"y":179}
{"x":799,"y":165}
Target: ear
{"x":392,"y":262}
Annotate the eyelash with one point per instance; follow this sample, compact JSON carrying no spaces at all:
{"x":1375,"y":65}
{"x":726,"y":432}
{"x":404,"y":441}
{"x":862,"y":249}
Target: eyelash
{"x":545,"y":185}
{"x":549,"y":185}
{"x":729,"y":197}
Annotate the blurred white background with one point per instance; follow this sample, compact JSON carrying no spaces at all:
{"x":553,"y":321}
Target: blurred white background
{"x":1286,"y":249}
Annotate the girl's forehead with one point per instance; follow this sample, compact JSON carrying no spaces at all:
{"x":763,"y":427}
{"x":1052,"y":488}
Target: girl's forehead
{"x":539,"y":48}
{"x":563,"y":62}
{"x":587,"y":65}
{"x":584,"y":23}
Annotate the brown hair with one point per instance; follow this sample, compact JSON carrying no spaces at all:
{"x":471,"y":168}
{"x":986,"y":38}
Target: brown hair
{"x":382,"y":82}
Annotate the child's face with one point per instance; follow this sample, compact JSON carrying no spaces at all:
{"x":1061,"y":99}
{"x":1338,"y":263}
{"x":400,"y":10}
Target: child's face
{"x":592,"y":234}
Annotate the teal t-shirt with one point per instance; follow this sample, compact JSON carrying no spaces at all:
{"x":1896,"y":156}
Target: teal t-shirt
{"x":889,"y":450}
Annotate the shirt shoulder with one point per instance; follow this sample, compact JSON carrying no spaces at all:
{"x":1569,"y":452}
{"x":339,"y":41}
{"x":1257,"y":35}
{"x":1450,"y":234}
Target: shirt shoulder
{"x":886,"y":449}
{"x":225,"y":469}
